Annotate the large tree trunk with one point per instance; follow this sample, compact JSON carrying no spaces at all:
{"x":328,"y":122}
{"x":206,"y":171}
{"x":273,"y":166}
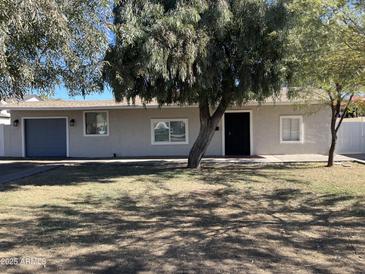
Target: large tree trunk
{"x":208,"y":124}
{"x":200,"y":146}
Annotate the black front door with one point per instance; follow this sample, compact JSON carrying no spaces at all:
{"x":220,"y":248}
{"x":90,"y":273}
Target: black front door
{"x":237,"y":133}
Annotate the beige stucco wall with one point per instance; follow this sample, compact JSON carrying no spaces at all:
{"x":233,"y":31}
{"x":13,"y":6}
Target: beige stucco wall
{"x":130,"y":132}
{"x":266,"y":130}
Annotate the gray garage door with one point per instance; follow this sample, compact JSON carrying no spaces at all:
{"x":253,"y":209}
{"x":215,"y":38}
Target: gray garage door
{"x":45,"y":137}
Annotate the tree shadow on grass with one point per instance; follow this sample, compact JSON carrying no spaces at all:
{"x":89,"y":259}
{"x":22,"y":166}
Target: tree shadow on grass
{"x":74,"y":174}
{"x":215,"y":231}
{"x":157,"y":172}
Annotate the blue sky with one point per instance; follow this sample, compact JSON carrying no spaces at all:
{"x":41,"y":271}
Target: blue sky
{"x":62,"y":93}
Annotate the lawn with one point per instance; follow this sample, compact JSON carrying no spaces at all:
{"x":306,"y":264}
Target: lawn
{"x":163,"y":218}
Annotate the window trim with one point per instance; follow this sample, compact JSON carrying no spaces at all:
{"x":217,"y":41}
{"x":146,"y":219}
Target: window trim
{"x":153,"y":142}
{"x":301,"y":129}
{"x":84,"y":123}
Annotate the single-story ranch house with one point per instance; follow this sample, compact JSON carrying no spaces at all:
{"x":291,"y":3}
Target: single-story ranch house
{"x":57,"y":128}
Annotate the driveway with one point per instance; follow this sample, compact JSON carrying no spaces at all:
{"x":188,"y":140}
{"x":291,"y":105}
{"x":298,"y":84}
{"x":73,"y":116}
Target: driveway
{"x":360,"y":157}
{"x":18,"y":170}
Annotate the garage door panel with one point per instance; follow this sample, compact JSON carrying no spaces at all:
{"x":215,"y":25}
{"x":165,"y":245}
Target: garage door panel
{"x":46,"y":137}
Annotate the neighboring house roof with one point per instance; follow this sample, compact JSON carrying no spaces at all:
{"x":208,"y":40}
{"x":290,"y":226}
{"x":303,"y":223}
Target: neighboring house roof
{"x":5,"y":103}
{"x":111,"y":104}
{"x":26,"y":98}
{"x":32,"y":98}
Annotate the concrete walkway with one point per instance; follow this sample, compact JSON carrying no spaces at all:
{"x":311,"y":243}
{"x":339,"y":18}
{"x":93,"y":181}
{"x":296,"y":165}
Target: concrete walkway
{"x":258,"y":159}
{"x":296,"y":158}
{"x":358,"y":157}
{"x":305,"y":158}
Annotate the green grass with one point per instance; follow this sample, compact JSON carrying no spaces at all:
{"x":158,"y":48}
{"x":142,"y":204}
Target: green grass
{"x":160,"y":217}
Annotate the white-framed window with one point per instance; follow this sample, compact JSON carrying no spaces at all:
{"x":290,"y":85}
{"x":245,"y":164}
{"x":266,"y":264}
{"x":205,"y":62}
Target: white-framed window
{"x":169,"y":131}
{"x":291,"y":129}
{"x":96,"y":123}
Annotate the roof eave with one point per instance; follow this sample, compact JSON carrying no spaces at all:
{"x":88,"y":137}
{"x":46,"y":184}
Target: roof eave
{"x":27,"y":108}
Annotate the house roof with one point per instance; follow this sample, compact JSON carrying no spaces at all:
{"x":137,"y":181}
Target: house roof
{"x":112,"y":104}
{"x":75,"y":105}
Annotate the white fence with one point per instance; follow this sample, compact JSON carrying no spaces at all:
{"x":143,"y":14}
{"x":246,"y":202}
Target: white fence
{"x":351,"y":137}
{"x":2,"y":141}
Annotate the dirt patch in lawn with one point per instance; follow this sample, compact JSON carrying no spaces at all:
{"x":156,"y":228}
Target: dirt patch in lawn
{"x":251,"y":218}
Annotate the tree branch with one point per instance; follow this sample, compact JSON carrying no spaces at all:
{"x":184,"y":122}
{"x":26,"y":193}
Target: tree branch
{"x":344,"y":112}
{"x":330,"y":96}
{"x":224,"y":103}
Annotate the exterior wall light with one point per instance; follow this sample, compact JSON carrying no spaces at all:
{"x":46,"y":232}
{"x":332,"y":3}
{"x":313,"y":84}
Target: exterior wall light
{"x":72,"y":122}
{"x":16,"y":123}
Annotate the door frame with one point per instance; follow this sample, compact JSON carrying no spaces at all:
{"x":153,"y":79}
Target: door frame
{"x":224,"y":130}
{"x":46,"y":117}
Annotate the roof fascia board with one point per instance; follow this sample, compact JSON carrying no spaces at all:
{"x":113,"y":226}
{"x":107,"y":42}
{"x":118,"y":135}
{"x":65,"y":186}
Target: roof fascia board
{"x":145,"y":107}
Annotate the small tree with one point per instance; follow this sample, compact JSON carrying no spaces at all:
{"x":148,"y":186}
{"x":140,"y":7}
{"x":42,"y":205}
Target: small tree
{"x":44,"y":43}
{"x":210,"y":53}
{"x":329,"y":55}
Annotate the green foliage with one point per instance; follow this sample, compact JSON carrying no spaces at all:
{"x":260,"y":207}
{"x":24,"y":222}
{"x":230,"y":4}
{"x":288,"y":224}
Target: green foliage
{"x":327,"y":46}
{"x":192,"y":50}
{"x":46,"y":42}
